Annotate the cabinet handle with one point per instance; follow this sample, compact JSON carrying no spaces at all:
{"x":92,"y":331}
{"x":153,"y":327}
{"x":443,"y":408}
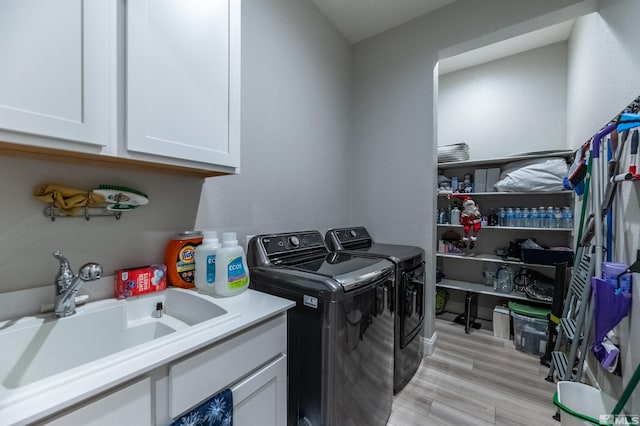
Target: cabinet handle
{"x":414,"y":301}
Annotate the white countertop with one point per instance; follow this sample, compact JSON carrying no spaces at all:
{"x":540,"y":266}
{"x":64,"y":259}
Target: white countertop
{"x":42,"y":398}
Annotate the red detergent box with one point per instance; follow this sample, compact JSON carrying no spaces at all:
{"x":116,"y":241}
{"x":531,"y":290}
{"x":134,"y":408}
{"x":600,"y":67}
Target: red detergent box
{"x":141,"y":280}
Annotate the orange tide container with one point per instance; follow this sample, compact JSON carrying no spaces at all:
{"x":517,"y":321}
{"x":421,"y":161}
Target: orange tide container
{"x":180,"y":258}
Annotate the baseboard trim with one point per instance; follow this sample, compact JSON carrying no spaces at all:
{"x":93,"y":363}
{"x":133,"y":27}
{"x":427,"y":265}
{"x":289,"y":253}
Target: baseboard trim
{"x":429,"y":344}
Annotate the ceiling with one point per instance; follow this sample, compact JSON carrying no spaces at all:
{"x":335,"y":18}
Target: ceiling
{"x":360,"y":19}
{"x":549,"y":35}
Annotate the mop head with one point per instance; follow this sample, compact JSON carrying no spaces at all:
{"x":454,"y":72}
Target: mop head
{"x":607,"y":354}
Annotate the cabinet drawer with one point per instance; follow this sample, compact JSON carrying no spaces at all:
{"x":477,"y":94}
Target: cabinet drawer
{"x":127,"y":405}
{"x":202,"y":375}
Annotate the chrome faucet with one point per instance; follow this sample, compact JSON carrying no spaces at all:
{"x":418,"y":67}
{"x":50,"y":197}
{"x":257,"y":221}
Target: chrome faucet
{"x":68,"y":284}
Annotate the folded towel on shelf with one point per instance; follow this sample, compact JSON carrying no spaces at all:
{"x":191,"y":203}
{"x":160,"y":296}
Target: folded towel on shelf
{"x":68,"y":200}
{"x":216,"y":411}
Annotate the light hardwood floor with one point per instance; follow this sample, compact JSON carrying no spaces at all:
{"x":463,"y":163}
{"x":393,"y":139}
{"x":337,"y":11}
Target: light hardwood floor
{"x":475,"y":379}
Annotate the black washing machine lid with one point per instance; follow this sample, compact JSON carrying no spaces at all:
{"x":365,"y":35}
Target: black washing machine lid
{"x":394,"y":252}
{"x":351,"y":271}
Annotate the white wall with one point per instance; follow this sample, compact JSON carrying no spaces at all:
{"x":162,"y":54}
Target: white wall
{"x":604,"y":76}
{"x":296,"y":89}
{"x":511,"y":105}
{"x":394,"y":116}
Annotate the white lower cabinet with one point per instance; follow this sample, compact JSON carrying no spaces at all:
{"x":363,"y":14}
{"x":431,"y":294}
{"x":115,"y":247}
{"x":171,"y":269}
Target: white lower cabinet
{"x":261,"y":398}
{"x":200,"y":376}
{"x":127,"y":405}
{"x":252,"y":363}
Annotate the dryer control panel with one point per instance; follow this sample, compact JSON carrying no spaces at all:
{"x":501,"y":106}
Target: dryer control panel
{"x":286,"y":248}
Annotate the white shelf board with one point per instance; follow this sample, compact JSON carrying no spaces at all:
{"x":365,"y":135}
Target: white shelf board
{"x":502,"y":160}
{"x":483,"y":289}
{"x":502,"y":194}
{"x":510,"y":228}
{"x":486,"y":257}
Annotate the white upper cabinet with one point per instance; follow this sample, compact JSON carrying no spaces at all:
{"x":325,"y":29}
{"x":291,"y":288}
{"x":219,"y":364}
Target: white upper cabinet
{"x":153,"y":83}
{"x":56,"y":73}
{"x":183,"y":80}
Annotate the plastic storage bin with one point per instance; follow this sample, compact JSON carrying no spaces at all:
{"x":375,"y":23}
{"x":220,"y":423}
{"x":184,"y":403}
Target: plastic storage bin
{"x":547,"y":256}
{"x":529,"y":334}
{"x":582,"y":404}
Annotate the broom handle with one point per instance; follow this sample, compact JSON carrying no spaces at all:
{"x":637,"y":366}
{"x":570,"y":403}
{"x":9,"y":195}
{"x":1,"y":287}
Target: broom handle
{"x":628,"y":390}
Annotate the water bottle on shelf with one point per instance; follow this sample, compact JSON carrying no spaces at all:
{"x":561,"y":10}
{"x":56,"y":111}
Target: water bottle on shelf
{"x":502,"y":217}
{"x":526,"y":217}
{"x":549,"y":218}
{"x":518,"y":217}
{"x":557,"y":213}
{"x":542,"y":216}
{"x":511,"y":217}
{"x":567,"y":217}
{"x":534,"y":218}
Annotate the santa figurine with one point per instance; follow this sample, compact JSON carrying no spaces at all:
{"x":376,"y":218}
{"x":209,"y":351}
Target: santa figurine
{"x":470,"y":219}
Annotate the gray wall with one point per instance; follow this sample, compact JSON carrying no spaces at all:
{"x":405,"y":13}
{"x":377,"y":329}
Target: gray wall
{"x":296,"y":79}
{"x":394,"y":116}
{"x":296,"y":115}
{"x":511,"y":105}
{"x":27,"y":238}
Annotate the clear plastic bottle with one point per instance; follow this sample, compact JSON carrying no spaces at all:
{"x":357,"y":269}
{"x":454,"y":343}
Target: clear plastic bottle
{"x":205,"y":259}
{"x":511,"y":217}
{"x":518,"y":217}
{"x":502,"y":217}
{"x":504,"y":280}
{"x":542,"y":213}
{"x":535,"y":218}
{"x":550,"y":218}
{"x":232,"y":273}
{"x":567,"y":217}
{"x":488,"y":274}
{"x":557,"y":213}
{"x":526,"y":217}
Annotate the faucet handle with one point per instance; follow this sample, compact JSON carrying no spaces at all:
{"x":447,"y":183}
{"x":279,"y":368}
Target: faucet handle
{"x":90,"y":272}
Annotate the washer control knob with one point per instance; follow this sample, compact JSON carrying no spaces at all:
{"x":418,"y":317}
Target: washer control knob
{"x":295,"y":242}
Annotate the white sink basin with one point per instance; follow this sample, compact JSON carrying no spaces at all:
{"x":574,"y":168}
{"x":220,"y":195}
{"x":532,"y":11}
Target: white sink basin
{"x":34,"y":348}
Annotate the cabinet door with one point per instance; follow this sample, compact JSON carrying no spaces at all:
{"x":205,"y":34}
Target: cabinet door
{"x":56,"y":73}
{"x":130,"y":405}
{"x":199,"y":376}
{"x":183,"y":80}
{"x":261,"y":399}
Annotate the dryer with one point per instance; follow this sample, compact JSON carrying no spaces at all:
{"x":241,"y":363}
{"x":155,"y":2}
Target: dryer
{"x":409,"y":293}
